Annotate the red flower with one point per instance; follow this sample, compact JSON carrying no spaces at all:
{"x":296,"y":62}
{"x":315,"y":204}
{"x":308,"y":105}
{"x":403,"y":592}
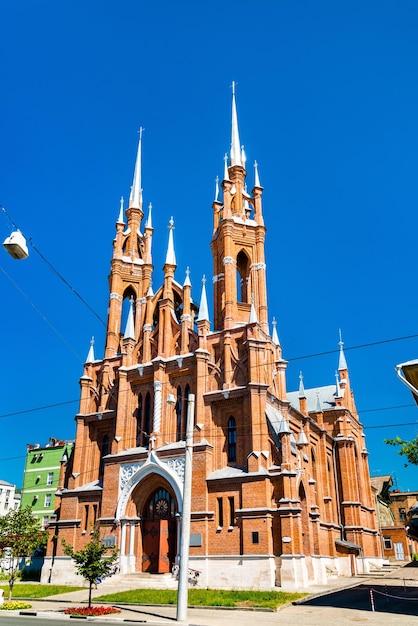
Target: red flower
{"x":92,"y":611}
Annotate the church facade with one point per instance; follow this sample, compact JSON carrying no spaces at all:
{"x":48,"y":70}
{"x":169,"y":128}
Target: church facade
{"x":281,"y":492}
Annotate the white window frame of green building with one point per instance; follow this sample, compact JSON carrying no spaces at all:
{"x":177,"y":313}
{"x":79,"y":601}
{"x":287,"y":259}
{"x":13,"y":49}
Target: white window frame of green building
{"x":50,"y":478}
{"x":47,"y":501}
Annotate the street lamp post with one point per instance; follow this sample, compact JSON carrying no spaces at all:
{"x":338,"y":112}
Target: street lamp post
{"x":183,"y":584}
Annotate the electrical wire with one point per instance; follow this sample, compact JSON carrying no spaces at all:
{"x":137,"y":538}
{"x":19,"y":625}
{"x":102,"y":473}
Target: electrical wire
{"x":54,"y":269}
{"x":45,"y":319}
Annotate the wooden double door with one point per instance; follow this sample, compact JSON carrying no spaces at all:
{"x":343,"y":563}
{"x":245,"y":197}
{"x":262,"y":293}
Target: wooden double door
{"x":159,"y":533}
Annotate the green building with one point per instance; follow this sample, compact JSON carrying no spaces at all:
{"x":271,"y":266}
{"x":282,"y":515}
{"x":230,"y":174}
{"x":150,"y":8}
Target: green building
{"x":41,"y":476}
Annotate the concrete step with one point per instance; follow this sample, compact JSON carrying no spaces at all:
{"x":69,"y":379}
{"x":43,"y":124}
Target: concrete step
{"x":138,"y":580}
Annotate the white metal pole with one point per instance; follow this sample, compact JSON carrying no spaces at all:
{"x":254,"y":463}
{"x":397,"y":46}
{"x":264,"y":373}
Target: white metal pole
{"x":183,"y":586}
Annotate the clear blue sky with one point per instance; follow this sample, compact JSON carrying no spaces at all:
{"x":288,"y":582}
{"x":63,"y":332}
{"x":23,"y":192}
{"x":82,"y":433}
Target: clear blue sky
{"x":328,"y":105}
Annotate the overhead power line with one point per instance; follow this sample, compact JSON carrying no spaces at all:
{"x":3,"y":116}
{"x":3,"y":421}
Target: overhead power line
{"x":54,"y":269}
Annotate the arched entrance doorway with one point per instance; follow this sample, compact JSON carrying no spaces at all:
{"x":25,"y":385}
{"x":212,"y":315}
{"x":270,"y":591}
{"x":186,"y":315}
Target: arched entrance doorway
{"x":159,"y":532}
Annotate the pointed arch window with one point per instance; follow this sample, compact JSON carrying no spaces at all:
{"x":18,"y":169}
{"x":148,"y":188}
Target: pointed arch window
{"x":179,"y":414}
{"x":103,"y":452}
{"x":243,"y":277}
{"x":128,"y":296}
{"x":313,"y":461}
{"x":139,"y":417}
{"x":232,"y":440}
{"x":146,"y":422}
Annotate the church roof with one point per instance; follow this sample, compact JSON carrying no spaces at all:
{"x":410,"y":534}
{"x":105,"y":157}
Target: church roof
{"x":325,"y":395}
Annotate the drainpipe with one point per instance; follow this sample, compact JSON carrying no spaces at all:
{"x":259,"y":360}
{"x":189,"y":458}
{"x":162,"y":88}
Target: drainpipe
{"x":334,"y":463}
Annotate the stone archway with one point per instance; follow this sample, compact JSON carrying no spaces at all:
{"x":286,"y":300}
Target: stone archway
{"x":139,"y":483}
{"x":154,"y":505}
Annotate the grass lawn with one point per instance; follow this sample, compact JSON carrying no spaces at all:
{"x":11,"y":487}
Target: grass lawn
{"x":28,"y":590}
{"x":205,"y":597}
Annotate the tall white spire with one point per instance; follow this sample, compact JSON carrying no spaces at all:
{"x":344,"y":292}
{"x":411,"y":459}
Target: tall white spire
{"x":253,"y":313}
{"x":235,"y":142}
{"x":274,"y":336}
{"x":256,"y":176}
{"x":302,"y":393}
{"x":120,"y":218}
{"x":187,"y":282}
{"x":170,"y":258}
{"x":90,"y":356}
{"x":135,"y":199}
{"x":149,"y":219}
{"x":216,"y":189}
{"x":338,"y":393}
{"x":226,"y":172}
{"x":203,"y":307}
{"x":342,"y":363}
{"x":130,"y":326}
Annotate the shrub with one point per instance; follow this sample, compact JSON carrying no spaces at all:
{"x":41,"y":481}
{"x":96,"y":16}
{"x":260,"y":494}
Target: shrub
{"x":92,"y":611}
{"x":415,"y":557}
{"x":14,"y":605}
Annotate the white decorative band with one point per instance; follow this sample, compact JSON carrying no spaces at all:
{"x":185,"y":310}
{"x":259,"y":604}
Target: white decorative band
{"x":186,"y":318}
{"x":143,"y":300}
{"x":258,"y":266}
{"x":157,"y":405}
{"x":229,"y":259}
{"x":217,"y":278}
{"x":147,"y":327}
{"x":116,"y":296}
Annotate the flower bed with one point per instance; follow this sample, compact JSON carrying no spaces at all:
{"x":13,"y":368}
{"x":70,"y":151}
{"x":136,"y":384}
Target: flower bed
{"x":14,"y":605}
{"x":91,"y":611}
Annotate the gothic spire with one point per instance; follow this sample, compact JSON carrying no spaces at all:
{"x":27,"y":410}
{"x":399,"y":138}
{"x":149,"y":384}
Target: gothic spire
{"x":203,"y":307}
{"x":130,"y":327}
{"x":235,"y":142}
{"x":253,"y":313}
{"x":135,"y":199}
{"x":120,"y":218}
{"x":256,"y":176}
{"x":216,"y":189}
{"x":187,"y":282}
{"x":338,"y":393}
{"x":149,"y":219}
{"x":170,"y":258}
{"x":302,"y":393}
{"x":274,"y":336}
{"x":342,"y":363}
{"x":90,"y":356}
{"x":226,"y":173}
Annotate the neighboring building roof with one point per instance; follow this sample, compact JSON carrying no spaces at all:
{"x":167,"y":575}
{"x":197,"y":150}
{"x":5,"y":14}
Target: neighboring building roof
{"x":6,"y":484}
{"x":382,"y":484}
{"x":326,"y":396}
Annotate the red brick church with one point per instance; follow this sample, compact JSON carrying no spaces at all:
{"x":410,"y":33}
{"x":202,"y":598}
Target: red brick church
{"x":281,"y":491}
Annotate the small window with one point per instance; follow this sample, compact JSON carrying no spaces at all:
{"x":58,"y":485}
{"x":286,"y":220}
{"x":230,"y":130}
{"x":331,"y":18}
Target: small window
{"x":402,"y":514}
{"x":231,"y":511}
{"x":232,"y":440}
{"x":388,"y":543}
{"x":50,"y":478}
{"x":47,"y":501}
{"x":45,"y":521}
{"x":255,"y":537}
{"x":220,"y":512}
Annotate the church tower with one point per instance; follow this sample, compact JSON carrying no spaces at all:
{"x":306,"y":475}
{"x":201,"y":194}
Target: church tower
{"x":281,"y":490}
{"x":238,"y":242}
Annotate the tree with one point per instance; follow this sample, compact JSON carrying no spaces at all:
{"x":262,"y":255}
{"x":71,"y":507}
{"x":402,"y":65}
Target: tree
{"x":409,"y":449}
{"x":20,"y":534}
{"x":92,"y":562}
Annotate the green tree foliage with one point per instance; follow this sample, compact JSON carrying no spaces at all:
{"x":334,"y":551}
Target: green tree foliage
{"x":92,"y":562}
{"x":20,"y":535}
{"x":408,"y":449}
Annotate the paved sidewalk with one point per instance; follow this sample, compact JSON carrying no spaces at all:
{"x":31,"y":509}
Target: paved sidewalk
{"x":288,"y":615}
